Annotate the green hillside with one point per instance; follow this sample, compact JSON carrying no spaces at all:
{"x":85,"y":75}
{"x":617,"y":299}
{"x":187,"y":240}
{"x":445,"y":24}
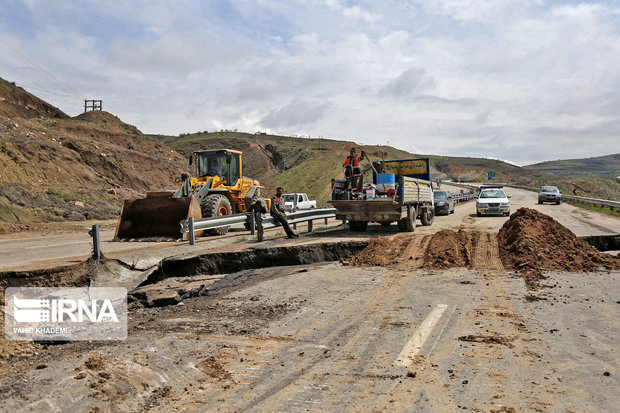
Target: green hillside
{"x":297,"y":164}
{"x":309,"y":165}
{"x":607,"y":166}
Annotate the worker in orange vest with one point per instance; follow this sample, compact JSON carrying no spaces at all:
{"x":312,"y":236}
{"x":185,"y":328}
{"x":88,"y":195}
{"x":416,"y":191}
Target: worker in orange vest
{"x":352,"y":170}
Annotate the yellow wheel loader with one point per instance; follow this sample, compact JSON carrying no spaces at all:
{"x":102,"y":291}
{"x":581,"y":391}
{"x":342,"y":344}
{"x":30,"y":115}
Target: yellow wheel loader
{"x":218,"y":189}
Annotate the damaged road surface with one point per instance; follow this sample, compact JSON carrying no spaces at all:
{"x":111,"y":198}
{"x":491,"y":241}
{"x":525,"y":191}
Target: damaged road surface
{"x":525,"y":319}
{"x":329,"y":337}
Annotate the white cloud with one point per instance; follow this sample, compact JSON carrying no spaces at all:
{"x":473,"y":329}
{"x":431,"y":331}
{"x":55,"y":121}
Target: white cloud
{"x":518,"y":80}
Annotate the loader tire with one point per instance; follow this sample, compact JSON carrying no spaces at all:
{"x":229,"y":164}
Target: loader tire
{"x":216,"y":206}
{"x":427,"y":217}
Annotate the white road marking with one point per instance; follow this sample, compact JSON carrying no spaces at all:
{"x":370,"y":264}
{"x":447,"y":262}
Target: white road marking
{"x":414,"y":345}
{"x":445,"y":324}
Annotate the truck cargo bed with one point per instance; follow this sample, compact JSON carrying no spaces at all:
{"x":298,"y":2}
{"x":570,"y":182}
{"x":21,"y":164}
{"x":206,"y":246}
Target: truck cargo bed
{"x":368,"y":210}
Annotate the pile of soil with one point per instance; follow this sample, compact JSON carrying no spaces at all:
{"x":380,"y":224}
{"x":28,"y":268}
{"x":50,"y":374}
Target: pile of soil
{"x":531,"y":241}
{"x":383,"y":252}
{"x":444,"y":249}
{"x":448,"y":249}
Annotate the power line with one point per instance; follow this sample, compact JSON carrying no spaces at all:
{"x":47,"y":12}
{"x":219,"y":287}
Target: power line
{"x":40,"y":70}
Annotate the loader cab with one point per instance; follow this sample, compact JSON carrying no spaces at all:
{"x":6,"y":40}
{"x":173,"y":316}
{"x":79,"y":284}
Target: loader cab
{"x":223,"y":163}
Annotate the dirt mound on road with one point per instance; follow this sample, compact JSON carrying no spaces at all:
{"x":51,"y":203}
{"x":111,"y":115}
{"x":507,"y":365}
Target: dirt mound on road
{"x":531,"y":241}
{"x":444,"y":249}
{"x":384,"y":251}
{"x":449,"y":249}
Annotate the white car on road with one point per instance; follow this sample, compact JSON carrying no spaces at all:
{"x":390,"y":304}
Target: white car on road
{"x":492,"y":200}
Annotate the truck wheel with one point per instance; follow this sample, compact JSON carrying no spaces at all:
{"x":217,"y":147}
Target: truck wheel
{"x":216,"y":206}
{"x":385,"y":223}
{"x":401,"y":224}
{"x":412,"y":213}
{"x":427,"y":217}
{"x":358,"y":225}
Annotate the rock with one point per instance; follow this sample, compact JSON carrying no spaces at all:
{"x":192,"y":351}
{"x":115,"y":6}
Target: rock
{"x":112,"y":191}
{"x":103,"y":155}
{"x":162,"y":298}
{"x":79,"y":204}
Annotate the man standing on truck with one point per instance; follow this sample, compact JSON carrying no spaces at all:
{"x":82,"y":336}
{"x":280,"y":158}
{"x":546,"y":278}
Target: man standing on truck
{"x":277,"y":212}
{"x":352,"y":170}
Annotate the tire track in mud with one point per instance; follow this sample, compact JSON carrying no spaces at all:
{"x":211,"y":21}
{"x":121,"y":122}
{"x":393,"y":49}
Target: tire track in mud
{"x":486,"y":252}
{"x":414,"y":253}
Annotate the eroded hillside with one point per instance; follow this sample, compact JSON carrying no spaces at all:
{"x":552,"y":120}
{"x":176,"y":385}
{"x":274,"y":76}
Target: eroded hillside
{"x":56,"y":168}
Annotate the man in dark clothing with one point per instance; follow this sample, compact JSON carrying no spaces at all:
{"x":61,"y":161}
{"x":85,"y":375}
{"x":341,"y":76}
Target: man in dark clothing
{"x":215,"y":169}
{"x":353,"y":171}
{"x":277,"y":212}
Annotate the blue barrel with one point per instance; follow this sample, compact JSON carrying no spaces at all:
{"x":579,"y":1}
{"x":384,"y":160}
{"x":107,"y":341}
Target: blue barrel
{"x":385,"y":179}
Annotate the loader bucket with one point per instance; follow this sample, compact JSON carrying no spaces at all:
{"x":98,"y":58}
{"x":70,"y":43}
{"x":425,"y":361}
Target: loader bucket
{"x":157,"y":216}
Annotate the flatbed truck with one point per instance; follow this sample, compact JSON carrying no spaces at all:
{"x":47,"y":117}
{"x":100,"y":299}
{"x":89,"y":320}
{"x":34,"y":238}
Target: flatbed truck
{"x":409,"y":198}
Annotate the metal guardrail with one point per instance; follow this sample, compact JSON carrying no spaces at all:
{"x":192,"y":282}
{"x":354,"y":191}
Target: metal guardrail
{"x":266,"y":221}
{"x":584,"y":200}
{"x":464,"y":197}
{"x":458,"y":198}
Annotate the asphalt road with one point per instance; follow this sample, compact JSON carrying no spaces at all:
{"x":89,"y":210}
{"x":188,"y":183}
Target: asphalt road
{"x":329,"y":337}
{"x":326,"y":338}
{"x":41,"y":252}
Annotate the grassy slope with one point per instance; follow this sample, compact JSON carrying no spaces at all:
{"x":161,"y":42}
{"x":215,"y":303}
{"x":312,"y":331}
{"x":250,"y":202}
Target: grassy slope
{"x":300,"y":165}
{"x":297,"y":164}
{"x":602,"y":166}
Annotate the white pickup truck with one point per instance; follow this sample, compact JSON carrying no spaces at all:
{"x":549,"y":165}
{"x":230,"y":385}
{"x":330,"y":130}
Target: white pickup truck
{"x":296,"y":201}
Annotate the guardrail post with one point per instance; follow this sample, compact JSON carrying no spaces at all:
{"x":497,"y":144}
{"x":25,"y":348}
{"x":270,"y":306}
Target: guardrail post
{"x":253,"y":222}
{"x":94,"y":232}
{"x":192,"y":235}
{"x":310,"y":226}
{"x":326,"y":221}
{"x":259,"y":225}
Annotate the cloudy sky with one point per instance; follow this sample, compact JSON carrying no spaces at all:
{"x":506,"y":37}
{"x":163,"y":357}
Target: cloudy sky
{"x":519,"y":80}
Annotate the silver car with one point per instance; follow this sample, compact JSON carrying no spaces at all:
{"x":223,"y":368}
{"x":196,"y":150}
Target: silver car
{"x":492,"y":200}
{"x":549,"y":194}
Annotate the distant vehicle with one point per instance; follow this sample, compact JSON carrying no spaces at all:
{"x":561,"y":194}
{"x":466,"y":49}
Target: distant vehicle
{"x":297,"y":201}
{"x":444,"y":203}
{"x":492,"y":200}
{"x":550,"y":194}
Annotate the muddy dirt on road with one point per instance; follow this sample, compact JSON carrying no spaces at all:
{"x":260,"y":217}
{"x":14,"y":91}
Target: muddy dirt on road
{"x":326,"y":338}
{"x":431,"y":321}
